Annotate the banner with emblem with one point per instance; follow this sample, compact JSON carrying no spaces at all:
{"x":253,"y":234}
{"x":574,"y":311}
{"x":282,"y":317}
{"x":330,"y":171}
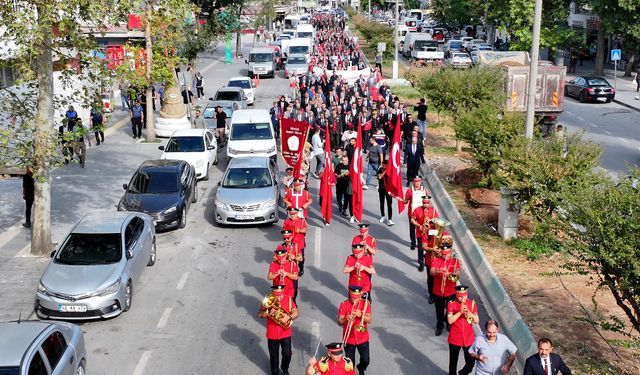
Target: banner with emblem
{"x":293,"y":136}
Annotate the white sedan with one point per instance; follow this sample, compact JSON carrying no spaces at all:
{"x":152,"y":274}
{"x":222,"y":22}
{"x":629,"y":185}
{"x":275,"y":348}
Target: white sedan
{"x":246,"y":85}
{"x":195,"y":146}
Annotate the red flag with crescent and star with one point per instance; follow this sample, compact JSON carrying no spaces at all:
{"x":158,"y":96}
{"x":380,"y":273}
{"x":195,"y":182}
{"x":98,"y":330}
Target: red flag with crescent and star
{"x":356,"y":176}
{"x":394,"y":170}
{"x":327,"y":181}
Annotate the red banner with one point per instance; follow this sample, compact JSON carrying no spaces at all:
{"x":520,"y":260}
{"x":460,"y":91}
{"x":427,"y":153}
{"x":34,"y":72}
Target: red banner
{"x":328,"y":180}
{"x":356,"y":177}
{"x":394,"y":171}
{"x":293,"y":136}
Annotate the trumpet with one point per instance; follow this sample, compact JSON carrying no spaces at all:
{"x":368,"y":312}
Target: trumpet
{"x":361,"y":328}
{"x":453,"y":277}
{"x":357,"y":266}
{"x":468,"y":314}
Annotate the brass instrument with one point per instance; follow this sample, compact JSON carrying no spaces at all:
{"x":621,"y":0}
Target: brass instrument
{"x":453,"y":277}
{"x":274,"y":311}
{"x":359,"y":276}
{"x":347,"y":332}
{"x":426,"y":224}
{"x":360,"y":327}
{"x":469,"y":314}
{"x":440,"y":225}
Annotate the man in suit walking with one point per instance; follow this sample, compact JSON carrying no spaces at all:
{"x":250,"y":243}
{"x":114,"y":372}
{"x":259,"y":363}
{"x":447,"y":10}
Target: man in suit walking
{"x":414,"y":158}
{"x":545,"y":362}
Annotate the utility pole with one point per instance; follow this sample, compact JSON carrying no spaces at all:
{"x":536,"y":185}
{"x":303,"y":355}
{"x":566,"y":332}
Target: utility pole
{"x":533,"y":70}
{"x":395,"y":42}
{"x":369,"y":15}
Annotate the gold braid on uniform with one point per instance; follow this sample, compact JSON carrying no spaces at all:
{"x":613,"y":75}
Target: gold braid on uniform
{"x":324,"y":364}
{"x":348,"y":365}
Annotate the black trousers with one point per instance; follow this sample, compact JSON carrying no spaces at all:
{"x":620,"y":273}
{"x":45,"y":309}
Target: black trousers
{"x":344,"y":199}
{"x":335,"y":141}
{"x":301,"y":263}
{"x":412,"y":171}
{"x":200,"y":91}
{"x":29,"y":204}
{"x":136,"y":127}
{"x":454,"y":353}
{"x":429,"y":281}
{"x":440,"y":303}
{"x":420,"y":252}
{"x":363,"y":352}
{"x":412,"y":234}
{"x":382,"y":197}
{"x":274,"y":352}
{"x":99,"y":136}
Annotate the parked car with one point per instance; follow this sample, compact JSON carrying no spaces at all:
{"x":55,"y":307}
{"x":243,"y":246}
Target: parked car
{"x":246,"y":85}
{"x":41,"y":348}
{"x":451,"y":46}
{"x":92,"y":273}
{"x":233,"y":94}
{"x":459,"y":60}
{"x":296,"y":65}
{"x":195,"y":146}
{"x":587,"y":88}
{"x":475,"y":49}
{"x":248,"y":193}
{"x":209,"y":113}
{"x":164,"y":189}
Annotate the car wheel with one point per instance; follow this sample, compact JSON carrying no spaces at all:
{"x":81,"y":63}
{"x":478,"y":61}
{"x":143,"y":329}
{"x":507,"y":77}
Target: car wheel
{"x":194,"y":198}
{"x":609,"y":100}
{"x":206,"y":176}
{"x":582,"y":97}
{"x":152,"y":256}
{"x":183,"y":218}
{"x":215,"y":159}
{"x":566,"y":92}
{"x":80,"y":370}
{"x":128,"y":296}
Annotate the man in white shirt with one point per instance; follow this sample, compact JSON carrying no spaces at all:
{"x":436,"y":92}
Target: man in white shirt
{"x":494,"y":352}
{"x":318,"y":151}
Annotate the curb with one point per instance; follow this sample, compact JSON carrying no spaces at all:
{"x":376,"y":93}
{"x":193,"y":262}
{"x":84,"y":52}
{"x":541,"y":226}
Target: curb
{"x":626,"y":105}
{"x":117,"y":126}
{"x":483,"y":277}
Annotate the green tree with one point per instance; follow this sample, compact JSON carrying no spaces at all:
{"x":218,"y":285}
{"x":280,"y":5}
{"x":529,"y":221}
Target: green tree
{"x":600,"y":225}
{"x":457,"y":13}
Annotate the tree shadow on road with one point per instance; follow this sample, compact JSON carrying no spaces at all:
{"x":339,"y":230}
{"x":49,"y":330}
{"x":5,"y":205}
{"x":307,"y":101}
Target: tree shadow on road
{"x":320,"y":302}
{"x":261,"y":285}
{"x":247,"y":342}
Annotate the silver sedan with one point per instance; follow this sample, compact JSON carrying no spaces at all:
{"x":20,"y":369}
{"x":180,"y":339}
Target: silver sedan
{"x":93,"y":272}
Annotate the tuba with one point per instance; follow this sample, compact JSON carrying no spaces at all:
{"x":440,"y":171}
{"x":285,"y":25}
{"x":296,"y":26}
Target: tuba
{"x":274,"y":311}
{"x":440,"y":224}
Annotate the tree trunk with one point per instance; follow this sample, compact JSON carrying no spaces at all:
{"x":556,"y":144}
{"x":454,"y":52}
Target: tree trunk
{"x":148,"y":116}
{"x":43,"y":139}
{"x":238,"y":44}
{"x":600,"y":50}
{"x":629,"y":67}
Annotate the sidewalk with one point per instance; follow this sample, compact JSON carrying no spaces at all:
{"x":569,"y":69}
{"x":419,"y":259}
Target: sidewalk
{"x":625,"y":86}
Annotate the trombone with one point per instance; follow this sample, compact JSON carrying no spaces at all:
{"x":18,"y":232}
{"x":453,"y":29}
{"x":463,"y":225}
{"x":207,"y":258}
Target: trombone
{"x":347,"y":333}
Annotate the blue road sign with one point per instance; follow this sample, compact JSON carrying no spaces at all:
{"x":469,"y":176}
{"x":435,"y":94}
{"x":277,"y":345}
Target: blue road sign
{"x":615,"y":54}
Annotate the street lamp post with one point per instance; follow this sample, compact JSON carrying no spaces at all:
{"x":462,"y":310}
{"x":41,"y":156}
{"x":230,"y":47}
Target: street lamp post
{"x":395,"y":42}
{"x":533,"y":70}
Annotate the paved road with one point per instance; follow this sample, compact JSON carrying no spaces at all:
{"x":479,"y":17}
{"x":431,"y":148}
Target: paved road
{"x":194,"y":312}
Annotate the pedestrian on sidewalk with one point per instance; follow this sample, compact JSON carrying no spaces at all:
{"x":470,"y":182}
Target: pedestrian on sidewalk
{"x":97,"y":122}
{"x":199,"y":85}
{"x":81,"y":140}
{"x":72,"y":116}
{"x":65,"y":136}
{"x":137,"y":116}
{"x":198,"y":121}
{"x":124,"y":96}
{"x":638,"y":80}
{"x":28,"y":194}
{"x":421,"y":108}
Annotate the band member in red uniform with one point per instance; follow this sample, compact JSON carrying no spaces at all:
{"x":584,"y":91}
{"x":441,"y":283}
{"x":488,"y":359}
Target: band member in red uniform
{"x":298,"y":226}
{"x":359,"y":267}
{"x":333,"y":364}
{"x":293,"y":252}
{"x":462,"y":313}
{"x":298,"y":197}
{"x":370,"y":246}
{"x":283,"y":271}
{"x":420,"y":218}
{"x":446,"y":272}
{"x":354,"y":315}
{"x":413,"y":198}
{"x":279,"y":337}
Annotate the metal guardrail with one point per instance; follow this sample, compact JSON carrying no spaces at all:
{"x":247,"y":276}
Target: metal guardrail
{"x":484,"y":279}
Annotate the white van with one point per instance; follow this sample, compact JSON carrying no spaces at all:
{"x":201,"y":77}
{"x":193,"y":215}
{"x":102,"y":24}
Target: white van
{"x":299,"y":46}
{"x":291,"y":21}
{"x":402,"y":33}
{"x":251,"y":134}
{"x":306,"y":31}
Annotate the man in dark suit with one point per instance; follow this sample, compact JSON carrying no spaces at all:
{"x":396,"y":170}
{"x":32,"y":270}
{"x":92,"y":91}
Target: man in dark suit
{"x":545,"y":362}
{"x":414,"y":158}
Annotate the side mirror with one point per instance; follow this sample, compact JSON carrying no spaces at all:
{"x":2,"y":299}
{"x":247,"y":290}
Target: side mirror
{"x":219,"y":182}
{"x":244,"y":97}
{"x":129,"y":254}
{"x":125,"y":186}
{"x":246,"y":62}
{"x":53,"y":253}
{"x":161,"y":148}
{"x":211,"y":147}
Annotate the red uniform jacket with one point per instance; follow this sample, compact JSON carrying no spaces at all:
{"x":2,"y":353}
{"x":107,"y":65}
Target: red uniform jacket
{"x":370,"y":241}
{"x":365,"y":278}
{"x":461,"y":332}
{"x":327,"y":366}
{"x":298,"y":199}
{"x":449,"y":289}
{"x":289,"y":267}
{"x":355,"y":337}
{"x":294,"y":226}
{"x":276,"y":332}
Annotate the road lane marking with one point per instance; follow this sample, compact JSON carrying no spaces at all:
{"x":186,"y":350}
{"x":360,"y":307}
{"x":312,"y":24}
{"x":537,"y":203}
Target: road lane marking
{"x":182,"y":281}
{"x":579,"y":118}
{"x":142,"y":363}
{"x":317,"y":248}
{"x":608,"y":132}
{"x":164,"y":318}
{"x":9,"y":233}
{"x":315,"y":332}
{"x":594,"y":125}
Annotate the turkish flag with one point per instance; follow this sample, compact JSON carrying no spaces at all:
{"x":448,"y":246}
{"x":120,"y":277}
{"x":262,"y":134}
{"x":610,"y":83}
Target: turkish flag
{"x":356,"y":176}
{"x":327,"y":181}
{"x":394,"y":171}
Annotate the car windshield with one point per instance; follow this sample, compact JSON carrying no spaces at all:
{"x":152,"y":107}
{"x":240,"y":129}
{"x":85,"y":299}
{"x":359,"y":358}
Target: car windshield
{"x":420,"y":44}
{"x":297,"y":60}
{"x":247,"y":178}
{"x":90,"y":248}
{"x":260,"y":57}
{"x":243,"y":84}
{"x":597,"y":82}
{"x":455,"y":45}
{"x":154,"y":182}
{"x":9,"y":371}
{"x":304,"y":34}
{"x":284,"y":37}
{"x":228,"y":95}
{"x":298,"y":49}
{"x":185,"y":144}
{"x":247,"y":132}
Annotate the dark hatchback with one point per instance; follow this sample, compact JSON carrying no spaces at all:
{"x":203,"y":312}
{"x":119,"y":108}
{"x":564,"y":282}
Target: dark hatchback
{"x":163,"y":189}
{"x":586,"y":88}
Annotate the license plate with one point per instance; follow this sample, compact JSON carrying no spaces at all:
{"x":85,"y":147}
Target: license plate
{"x":244,"y":217}
{"x":72,"y":308}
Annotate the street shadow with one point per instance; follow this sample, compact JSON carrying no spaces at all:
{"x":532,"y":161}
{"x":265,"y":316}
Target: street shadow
{"x":261,"y":285}
{"x":411,"y":359}
{"x":320,"y":302}
{"x":250,"y":304}
{"x":415,"y":309}
{"x":263,"y":255}
{"x":327,"y":279}
{"x":417,"y":285}
{"x":402,"y":254}
{"x":247,"y":342}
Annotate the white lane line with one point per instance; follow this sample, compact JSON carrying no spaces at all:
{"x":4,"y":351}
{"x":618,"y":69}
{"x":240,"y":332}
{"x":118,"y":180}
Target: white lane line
{"x":9,"y":233}
{"x":317,"y":250}
{"x":569,"y":112}
{"x":182,"y":281}
{"x":608,"y":132}
{"x":594,"y":125}
{"x":579,"y":118}
{"x":142,"y":363}
{"x":202,"y":71}
{"x":164,"y":318}
{"x":624,"y":140}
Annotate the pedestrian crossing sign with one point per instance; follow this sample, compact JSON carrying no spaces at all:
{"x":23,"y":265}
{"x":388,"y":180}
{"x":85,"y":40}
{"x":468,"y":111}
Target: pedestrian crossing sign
{"x":615,"y":54}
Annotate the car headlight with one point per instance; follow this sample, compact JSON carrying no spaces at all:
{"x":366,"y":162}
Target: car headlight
{"x":170,"y":210}
{"x":122,"y":206}
{"x":42,"y":289}
{"x":269,"y":204}
{"x":272,"y":149}
{"x":200,"y":163}
{"x":221,"y":206}
{"x":113,"y":288}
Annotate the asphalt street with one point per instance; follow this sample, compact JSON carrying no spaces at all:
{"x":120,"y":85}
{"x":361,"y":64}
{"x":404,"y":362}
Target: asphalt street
{"x":194,"y":312}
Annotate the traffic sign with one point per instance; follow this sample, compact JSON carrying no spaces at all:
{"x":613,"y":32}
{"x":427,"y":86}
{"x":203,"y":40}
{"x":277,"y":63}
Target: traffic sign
{"x":615,"y":54}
